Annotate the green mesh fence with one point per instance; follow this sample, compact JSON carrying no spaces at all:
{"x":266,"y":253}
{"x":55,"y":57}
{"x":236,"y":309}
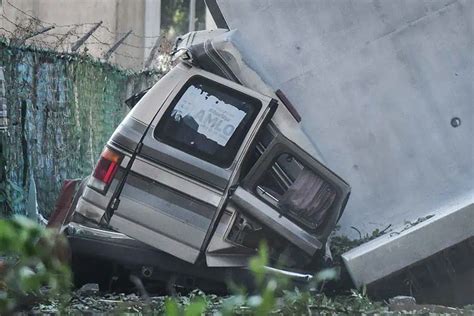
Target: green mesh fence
{"x":62,"y":109}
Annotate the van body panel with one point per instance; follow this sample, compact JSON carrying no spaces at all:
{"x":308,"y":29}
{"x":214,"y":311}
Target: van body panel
{"x":154,"y":239}
{"x":220,"y":251}
{"x":186,"y":163}
{"x":173,"y":179}
{"x":128,"y":134}
{"x":89,"y":210}
{"x":157,"y":94}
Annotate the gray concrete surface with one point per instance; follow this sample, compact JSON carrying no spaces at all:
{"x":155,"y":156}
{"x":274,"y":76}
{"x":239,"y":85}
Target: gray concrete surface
{"x":392,"y":252}
{"x":377,"y":83}
{"x":118,"y":16}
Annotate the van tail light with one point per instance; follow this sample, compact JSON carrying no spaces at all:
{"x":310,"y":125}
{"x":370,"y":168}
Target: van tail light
{"x":105,"y":170}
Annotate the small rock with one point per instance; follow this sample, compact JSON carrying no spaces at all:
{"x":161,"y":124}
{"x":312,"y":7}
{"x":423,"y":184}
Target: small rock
{"x":402,"y":303}
{"x":402,"y":300}
{"x":88,"y":289}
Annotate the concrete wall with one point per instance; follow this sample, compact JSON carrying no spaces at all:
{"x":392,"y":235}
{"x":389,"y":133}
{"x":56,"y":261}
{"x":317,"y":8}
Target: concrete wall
{"x":118,"y":16}
{"x":377,"y":83}
{"x":151,"y":26}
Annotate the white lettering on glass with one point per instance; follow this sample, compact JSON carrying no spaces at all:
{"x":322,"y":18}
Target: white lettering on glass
{"x":217,"y":120}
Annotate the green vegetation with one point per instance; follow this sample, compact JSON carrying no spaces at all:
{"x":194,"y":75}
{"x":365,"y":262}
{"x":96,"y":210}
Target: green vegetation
{"x":175,"y":17}
{"x":32,"y":265}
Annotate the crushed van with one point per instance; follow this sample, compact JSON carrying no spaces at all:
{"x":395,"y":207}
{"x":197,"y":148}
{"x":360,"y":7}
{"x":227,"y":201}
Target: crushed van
{"x":203,"y":170}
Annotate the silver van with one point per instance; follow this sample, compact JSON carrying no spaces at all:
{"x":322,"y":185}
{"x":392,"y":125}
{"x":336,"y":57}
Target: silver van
{"x":203,"y":169}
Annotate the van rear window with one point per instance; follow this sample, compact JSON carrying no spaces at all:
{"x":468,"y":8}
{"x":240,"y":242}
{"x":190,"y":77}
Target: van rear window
{"x":208,"y":120}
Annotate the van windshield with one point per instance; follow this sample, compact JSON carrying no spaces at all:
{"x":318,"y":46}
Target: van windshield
{"x":208,"y":120}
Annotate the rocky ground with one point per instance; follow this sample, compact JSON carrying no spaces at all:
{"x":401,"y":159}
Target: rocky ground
{"x":88,"y":300}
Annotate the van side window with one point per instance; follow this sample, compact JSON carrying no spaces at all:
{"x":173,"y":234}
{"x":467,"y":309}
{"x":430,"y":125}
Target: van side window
{"x":208,"y":120}
{"x":296,"y":191}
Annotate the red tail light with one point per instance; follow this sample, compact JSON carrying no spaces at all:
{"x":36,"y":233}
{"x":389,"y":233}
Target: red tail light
{"x":105,"y":169}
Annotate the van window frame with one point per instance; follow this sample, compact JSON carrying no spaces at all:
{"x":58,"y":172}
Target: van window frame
{"x":227,"y":154}
{"x":281,"y":145}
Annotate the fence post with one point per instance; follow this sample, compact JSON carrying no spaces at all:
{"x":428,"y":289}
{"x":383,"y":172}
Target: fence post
{"x":116,"y":45}
{"x":85,"y":37}
{"x":40,"y":31}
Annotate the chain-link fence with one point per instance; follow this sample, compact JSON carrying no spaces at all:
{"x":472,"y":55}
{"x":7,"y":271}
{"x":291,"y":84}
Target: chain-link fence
{"x":130,"y":49}
{"x":61,"y":109}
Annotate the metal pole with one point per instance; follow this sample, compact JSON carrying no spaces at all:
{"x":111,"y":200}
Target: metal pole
{"x":41,"y":31}
{"x":192,"y":15}
{"x":85,"y":37}
{"x":116,"y":45}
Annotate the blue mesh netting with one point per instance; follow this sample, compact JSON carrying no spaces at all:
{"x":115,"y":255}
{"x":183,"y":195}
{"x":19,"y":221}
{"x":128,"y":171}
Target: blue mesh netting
{"x":62,"y":109}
